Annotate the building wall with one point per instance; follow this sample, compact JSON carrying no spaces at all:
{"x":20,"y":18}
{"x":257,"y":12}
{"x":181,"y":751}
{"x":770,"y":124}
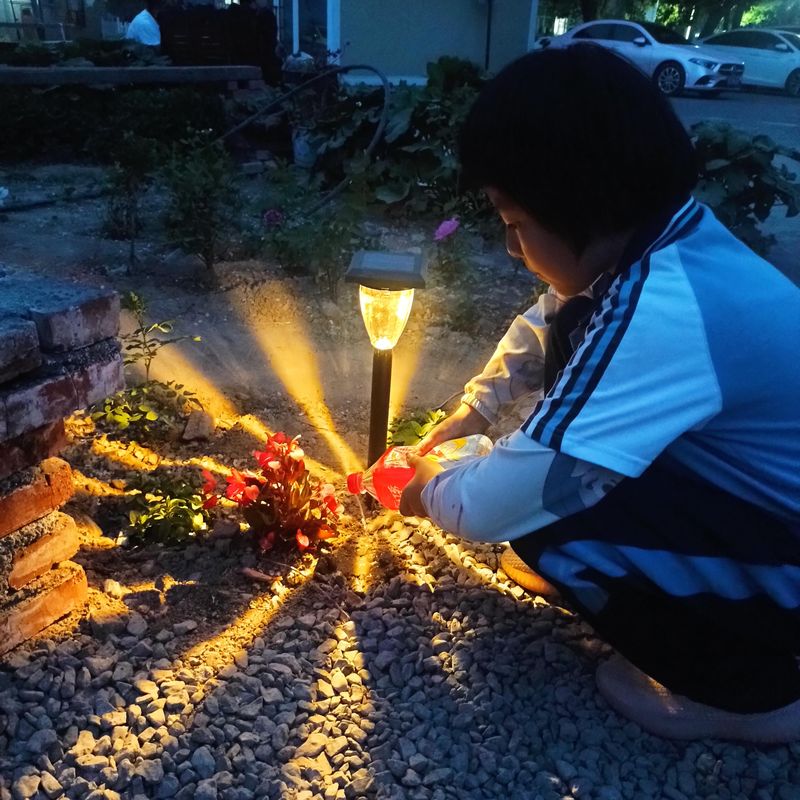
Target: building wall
{"x":400,"y":38}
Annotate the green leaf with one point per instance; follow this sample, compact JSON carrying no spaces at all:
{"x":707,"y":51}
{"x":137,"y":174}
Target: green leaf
{"x":393,"y":193}
{"x":711,"y":192}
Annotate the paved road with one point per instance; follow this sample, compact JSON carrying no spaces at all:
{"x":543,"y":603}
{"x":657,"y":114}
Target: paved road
{"x":776,"y":115}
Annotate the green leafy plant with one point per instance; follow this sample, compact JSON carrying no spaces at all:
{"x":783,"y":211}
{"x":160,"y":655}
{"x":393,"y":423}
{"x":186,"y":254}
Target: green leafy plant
{"x":281,"y":501}
{"x":153,"y":408}
{"x":81,"y":121}
{"x":129,"y":178}
{"x":149,"y":411}
{"x":740,"y":181}
{"x":143,"y":344}
{"x":411,"y":430}
{"x":166,"y":510}
{"x":203,"y":197}
{"x":415,"y":169}
{"x":320,"y":245}
{"x":451,"y":263}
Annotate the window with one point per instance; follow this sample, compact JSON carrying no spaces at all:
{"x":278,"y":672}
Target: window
{"x":662,"y":34}
{"x":793,"y":39}
{"x":601,"y":31}
{"x":756,"y":40}
{"x":626,"y":33}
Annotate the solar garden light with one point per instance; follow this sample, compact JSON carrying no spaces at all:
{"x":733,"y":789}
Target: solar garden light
{"x":386,"y":292}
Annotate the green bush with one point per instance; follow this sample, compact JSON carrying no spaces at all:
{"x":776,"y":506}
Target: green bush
{"x":203,"y":197}
{"x":168,"y":510}
{"x":320,"y":245}
{"x":414,"y":170}
{"x":740,"y":181}
{"x":411,"y":430}
{"x":82,"y":122}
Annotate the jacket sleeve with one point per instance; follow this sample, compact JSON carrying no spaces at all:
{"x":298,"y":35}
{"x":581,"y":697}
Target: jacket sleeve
{"x":516,"y":369}
{"x":519,"y":487}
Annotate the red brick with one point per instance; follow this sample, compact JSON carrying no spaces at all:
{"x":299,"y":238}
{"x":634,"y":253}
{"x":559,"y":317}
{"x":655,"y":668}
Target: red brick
{"x":34,"y":493}
{"x":99,"y":379}
{"x":64,"y":383}
{"x":41,"y":603}
{"x":30,"y":448}
{"x":36,"y":547}
{"x":38,"y":402}
{"x":19,"y":348}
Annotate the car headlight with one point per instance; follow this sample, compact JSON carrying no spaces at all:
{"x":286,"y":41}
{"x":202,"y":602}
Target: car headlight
{"x":702,"y":62}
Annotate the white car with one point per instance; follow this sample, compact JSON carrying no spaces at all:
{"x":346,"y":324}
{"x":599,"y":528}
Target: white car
{"x":771,"y":57}
{"x":671,"y":61}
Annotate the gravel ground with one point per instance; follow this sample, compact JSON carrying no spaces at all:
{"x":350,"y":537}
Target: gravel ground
{"x":444,"y":681}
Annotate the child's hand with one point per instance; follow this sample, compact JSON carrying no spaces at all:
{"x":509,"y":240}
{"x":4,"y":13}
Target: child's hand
{"x":411,"y":499}
{"x":464,"y":421}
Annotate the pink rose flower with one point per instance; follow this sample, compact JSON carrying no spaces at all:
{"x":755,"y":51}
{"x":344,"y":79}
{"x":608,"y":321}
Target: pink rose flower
{"x":445,"y":229}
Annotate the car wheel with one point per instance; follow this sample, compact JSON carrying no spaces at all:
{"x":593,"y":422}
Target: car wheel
{"x":670,"y":78}
{"x":793,"y":84}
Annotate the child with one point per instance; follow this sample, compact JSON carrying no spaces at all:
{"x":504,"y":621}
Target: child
{"x":656,"y":484}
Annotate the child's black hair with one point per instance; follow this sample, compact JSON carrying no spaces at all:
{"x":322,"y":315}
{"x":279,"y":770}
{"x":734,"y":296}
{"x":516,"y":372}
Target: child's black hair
{"x":581,"y":140}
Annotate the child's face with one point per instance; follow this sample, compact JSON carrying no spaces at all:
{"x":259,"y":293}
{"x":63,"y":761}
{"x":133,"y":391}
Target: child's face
{"x":544,"y":254}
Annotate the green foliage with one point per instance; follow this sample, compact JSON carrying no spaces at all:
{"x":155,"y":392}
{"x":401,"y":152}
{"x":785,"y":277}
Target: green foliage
{"x":149,"y":411}
{"x":166,"y":510}
{"x":740,"y":182}
{"x":143,"y":344}
{"x":451,"y":264}
{"x":773,"y":13}
{"x":203,"y":196}
{"x":154,"y":408}
{"x":320,"y":245}
{"x":99,"y":52}
{"x":86,"y":122}
{"x":411,"y":430}
{"x":415,"y":169}
{"x":134,"y":161}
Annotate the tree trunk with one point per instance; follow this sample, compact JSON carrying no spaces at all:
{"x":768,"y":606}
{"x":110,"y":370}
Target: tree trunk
{"x":737,"y":14}
{"x":713,"y":19}
{"x":589,"y":9}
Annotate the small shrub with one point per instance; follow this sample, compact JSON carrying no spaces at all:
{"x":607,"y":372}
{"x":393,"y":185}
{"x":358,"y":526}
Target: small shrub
{"x":411,"y":430}
{"x":166,"y":510}
{"x":154,"y":408}
{"x":740,"y":182}
{"x":414,"y":169}
{"x":150,"y":411}
{"x":143,"y":344}
{"x":129,"y":178}
{"x":203,"y":197}
{"x":281,"y":501}
{"x":451,"y":264}
{"x":320,"y":245}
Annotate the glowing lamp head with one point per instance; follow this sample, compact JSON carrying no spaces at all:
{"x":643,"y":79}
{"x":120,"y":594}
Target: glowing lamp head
{"x":385,"y":314}
{"x":387,"y":282}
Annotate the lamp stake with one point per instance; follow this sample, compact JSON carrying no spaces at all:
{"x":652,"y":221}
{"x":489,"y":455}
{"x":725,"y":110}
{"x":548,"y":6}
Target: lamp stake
{"x":379,"y":403}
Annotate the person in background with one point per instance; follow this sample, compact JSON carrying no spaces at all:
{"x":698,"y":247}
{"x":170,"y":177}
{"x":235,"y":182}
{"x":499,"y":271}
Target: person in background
{"x":144,"y":27}
{"x":656,"y":483}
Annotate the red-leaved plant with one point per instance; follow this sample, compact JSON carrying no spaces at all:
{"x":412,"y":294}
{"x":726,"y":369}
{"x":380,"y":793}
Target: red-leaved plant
{"x":281,"y":501}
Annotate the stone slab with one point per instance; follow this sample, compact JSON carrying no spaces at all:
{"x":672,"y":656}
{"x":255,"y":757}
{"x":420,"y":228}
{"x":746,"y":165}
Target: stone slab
{"x":39,"y":604}
{"x":63,"y":384}
{"x":67,"y":316}
{"x":32,"y":550}
{"x":19,"y":348}
{"x":27,"y":450}
{"x":34,"y":493}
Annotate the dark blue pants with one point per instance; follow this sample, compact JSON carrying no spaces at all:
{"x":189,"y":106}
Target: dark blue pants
{"x":736,"y":654}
